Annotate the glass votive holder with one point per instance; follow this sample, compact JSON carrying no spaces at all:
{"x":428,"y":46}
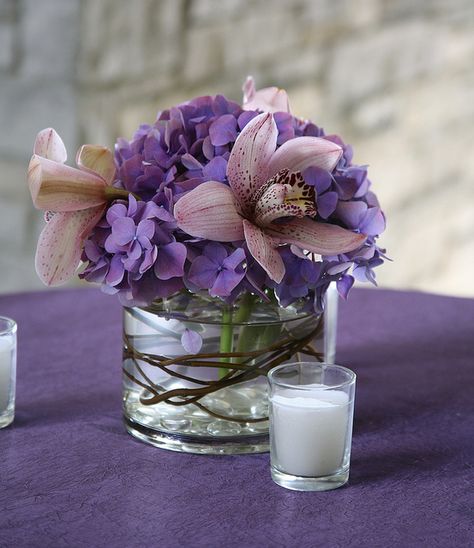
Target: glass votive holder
{"x":7,"y":370}
{"x":311,"y":415}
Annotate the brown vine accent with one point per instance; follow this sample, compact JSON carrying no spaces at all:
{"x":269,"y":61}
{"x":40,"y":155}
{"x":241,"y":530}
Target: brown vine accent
{"x":263,"y":360}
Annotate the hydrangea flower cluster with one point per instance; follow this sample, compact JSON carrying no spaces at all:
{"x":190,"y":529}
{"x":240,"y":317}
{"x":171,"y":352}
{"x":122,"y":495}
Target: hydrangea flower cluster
{"x":188,"y":210}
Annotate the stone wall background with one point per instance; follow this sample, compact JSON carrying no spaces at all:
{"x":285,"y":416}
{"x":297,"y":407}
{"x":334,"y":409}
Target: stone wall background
{"x":394,"y":78}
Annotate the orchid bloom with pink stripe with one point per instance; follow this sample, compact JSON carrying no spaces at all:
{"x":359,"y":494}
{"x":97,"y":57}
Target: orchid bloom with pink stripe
{"x":266,"y":185}
{"x":74,"y":199}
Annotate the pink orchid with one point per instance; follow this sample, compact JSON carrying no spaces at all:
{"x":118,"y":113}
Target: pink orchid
{"x":74,"y":199}
{"x":267,"y":99}
{"x":266,"y":185}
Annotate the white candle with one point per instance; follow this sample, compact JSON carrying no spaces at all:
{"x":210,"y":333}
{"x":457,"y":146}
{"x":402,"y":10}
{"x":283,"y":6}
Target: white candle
{"x":310,"y":431}
{"x":6,"y":358}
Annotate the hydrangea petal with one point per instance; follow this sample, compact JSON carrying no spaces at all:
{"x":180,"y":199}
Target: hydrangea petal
{"x":327,"y":204}
{"x":216,"y":252}
{"x":191,"y":341}
{"x":373,"y":222}
{"x":116,"y":271}
{"x":215,"y":170}
{"x":351,"y":213}
{"x":225,"y":282}
{"x":149,"y":259}
{"x":123,"y":230}
{"x":146,"y":229}
{"x":223,"y":130}
{"x":170,"y":261}
{"x":117,"y":211}
{"x":189,"y":162}
{"x":318,"y":178}
{"x":203,"y":272}
{"x":234,"y":259}
{"x":344,"y":285}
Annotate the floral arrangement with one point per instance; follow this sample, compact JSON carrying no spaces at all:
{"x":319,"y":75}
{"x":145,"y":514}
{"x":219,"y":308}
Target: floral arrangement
{"x":215,"y":197}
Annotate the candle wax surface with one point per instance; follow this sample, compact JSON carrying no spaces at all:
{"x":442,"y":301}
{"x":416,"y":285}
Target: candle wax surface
{"x":310,"y":431}
{"x":6,"y":357}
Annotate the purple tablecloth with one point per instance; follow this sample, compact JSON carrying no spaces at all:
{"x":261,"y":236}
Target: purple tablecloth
{"x":71,"y":476}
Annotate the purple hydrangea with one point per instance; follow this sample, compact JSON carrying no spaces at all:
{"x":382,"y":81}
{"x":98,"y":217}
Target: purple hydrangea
{"x":138,"y":252}
{"x":217,"y":270}
{"x":140,"y":244}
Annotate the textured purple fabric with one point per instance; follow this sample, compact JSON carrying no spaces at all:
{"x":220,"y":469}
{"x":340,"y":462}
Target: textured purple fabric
{"x":71,"y":476}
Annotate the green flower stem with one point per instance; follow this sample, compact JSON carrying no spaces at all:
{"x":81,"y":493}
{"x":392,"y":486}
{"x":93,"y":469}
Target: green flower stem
{"x":242,"y":315}
{"x":249,"y":334}
{"x":227,"y":336}
{"x":245,"y":308}
{"x":271,"y":333}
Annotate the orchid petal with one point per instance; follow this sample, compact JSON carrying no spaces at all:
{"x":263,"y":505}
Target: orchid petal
{"x":270,"y":99}
{"x":60,"y":244}
{"x":263,"y":249}
{"x":247,"y":168}
{"x":49,"y":144}
{"x":209,"y":212}
{"x":322,"y":238}
{"x":97,"y":159}
{"x":58,"y":187}
{"x":270,"y":205}
{"x":248,"y":89}
{"x":302,"y":152}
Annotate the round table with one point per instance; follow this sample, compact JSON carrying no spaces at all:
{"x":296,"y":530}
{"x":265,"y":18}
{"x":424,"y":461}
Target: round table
{"x":71,"y":476}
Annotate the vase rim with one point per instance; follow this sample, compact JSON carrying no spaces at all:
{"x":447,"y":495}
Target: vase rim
{"x":199,"y":309}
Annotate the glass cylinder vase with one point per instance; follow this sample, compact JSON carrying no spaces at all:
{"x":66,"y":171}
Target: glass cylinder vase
{"x":194,"y":369}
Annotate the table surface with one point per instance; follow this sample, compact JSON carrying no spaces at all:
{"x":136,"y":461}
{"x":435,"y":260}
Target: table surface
{"x":71,"y":476}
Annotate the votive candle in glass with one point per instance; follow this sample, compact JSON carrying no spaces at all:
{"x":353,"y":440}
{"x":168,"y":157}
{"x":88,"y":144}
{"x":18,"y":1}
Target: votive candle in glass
{"x":311,"y":415}
{"x":7,"y":370}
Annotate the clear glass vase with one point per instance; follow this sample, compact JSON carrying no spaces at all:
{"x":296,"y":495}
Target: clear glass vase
{"x":212,"y":398}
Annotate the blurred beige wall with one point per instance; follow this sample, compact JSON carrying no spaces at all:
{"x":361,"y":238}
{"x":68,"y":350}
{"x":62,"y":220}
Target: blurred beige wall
{"x":395,"y":78}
